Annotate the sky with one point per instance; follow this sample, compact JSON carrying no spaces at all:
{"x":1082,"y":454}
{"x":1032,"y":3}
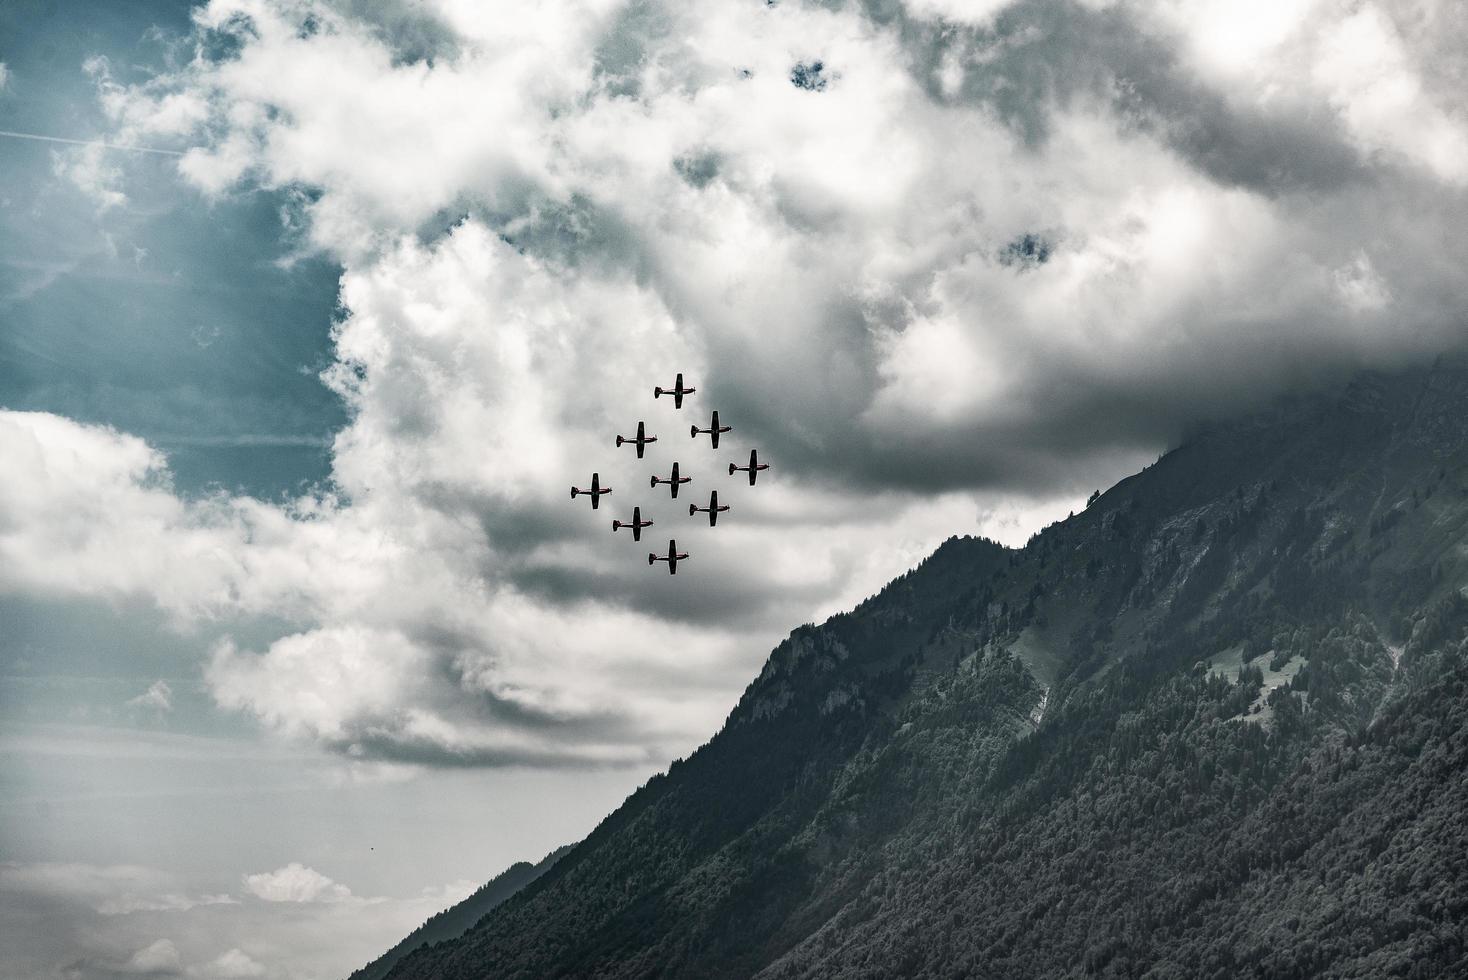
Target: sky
{"x":306,"y":335}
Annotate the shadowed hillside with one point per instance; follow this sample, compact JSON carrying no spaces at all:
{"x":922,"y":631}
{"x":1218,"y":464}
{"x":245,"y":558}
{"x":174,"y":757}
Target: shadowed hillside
{"x":1215,"y":725}
{"x":453,"y":922}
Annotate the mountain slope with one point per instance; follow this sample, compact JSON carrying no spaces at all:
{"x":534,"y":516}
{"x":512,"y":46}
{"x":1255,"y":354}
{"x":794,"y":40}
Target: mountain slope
{"x":453,"y":922}
{"x":1214,"y":725}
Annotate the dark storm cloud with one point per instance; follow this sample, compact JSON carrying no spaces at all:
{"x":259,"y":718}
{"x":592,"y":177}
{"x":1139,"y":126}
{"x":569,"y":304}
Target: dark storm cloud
{"x":735,"y":595}
{"x":1068,"y":426}
{"x":373,"y":742}
{"x":1034,"y":60}
{"x":1039,"y":54}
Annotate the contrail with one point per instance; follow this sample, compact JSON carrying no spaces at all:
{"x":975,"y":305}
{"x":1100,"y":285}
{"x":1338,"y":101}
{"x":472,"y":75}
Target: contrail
{"x":107,"y":146}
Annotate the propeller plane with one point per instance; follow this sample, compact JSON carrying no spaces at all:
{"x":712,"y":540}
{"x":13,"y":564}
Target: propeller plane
{"x":713,"y":430}
{"x":754,"y":467}
{"x":713,"y":510}
{"x":595,"y":492}
{"x":673,"y":557}
{"x":677,"y":391}
{"x":673,"y":481}
{"x":640,"y":442}
{"x":636,"y":524}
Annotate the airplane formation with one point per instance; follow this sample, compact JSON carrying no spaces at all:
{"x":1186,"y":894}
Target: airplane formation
{"x":674,"y":480}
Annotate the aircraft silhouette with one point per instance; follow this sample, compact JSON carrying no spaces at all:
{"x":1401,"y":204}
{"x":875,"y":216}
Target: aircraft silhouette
{"x":673,"y":557}
{"x":713,"y":510}
{"x":595,"y":492}
{"x":677,"y":391}
{"x":673,"y":481}
{"x":636,"y":524}
{"x":713,"y":430}
{"x":640,"y":442}
{"x":752,"y":469}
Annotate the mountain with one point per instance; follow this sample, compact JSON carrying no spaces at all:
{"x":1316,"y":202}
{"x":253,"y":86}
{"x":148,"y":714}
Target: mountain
{"x":453,"y":922}
{"x":1215,"y":725}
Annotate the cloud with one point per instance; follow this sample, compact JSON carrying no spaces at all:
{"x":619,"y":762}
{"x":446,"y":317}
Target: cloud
{"x":158,"y":959}
{"x":109,"y":890}
{"x":50,"y":916}
{"x":158,"y":697}
{"x":4,"y":76}
{"x":978,"y":13}
{"x":1231,"y":206}
{"x":88,"y":511}
{"x":296,"y":883}
{"x":90,"y":170}
{"x":1368,"y":73}
{"x":232,"y":964}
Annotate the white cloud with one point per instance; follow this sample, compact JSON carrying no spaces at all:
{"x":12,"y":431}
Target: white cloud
{"x":232,"y":964}
{"x":85,"y":510}
{"x":1368,"y":73}
{"x":296,"y":883}
{"x":109,"y":890}
{"x":160,"y":957}
{"x":53,"y":926}
{"x":92,"y":172}
{"x":169,"y":114}
{"x":1360,"y":286}
{"x":158,"y":697}
{"x":1389,"y":71}
{"x":976,"y":12}
{"x":4,"y":76}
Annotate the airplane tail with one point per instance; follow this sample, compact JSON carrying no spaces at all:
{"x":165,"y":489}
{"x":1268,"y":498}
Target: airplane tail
{"x":657,"y":392}
{"x":574,"y":492}
{"x":654,"y":483}
{"x":651,"y":558}
{"x":692,"y":509}
{"x":617,"y":525}
{"x":693,"y":432}
{"x":733,"y":469}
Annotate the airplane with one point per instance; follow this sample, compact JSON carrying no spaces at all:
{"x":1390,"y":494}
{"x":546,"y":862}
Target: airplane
{"x":753,"y":468}
{"x":713,"y":430}
{"x":677,"y":391}
{"x":636,"y":524}
{"x":595,"y":492}
{"x":640,"y":442}
{"x":713,"y":510}
{"x":673,"y":557}
{"x":672,"y":481}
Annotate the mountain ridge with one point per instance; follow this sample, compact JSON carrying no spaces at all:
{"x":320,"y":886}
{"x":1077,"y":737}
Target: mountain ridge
{"x":456,"y":920}
{"x":1085,"y":727}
